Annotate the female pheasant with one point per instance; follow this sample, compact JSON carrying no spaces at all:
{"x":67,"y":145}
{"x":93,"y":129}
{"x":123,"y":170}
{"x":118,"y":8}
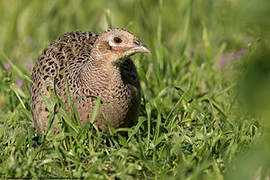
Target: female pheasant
{"x":94,"y":65}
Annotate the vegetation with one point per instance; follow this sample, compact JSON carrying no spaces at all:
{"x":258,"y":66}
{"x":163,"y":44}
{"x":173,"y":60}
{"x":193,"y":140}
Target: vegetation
{"x":205,"y":108}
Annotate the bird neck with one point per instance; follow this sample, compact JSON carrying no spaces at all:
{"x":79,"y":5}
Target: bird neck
{"x":100,"y":75}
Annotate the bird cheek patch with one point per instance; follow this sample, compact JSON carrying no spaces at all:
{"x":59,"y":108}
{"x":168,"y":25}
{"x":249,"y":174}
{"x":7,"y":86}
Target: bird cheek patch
{"x":117,"y":48}
{"x":125,"y":42}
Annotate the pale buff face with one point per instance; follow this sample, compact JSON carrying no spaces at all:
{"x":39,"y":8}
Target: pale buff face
{"x":118,"y":44}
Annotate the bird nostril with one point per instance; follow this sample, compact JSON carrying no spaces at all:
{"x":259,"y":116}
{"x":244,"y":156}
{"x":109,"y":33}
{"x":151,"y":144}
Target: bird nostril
{"x":137,"y":42}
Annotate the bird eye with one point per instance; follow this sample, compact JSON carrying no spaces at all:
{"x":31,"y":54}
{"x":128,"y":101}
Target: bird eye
{"x":117,"y":40}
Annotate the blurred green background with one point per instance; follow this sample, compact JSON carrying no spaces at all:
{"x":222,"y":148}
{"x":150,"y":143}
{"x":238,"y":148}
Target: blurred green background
{"x":215,"y":52}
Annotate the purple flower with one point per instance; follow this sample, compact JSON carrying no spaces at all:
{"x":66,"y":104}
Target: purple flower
{"x":221,"y":61}
{"x":19,"y":83}
{"x":240,"y":53}
{"x":6,"y":65}
{"x":226,"y":58}
{"x":29,"y":66}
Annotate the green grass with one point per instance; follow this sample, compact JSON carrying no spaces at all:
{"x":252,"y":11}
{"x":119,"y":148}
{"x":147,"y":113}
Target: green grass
{"x":197,"y":120}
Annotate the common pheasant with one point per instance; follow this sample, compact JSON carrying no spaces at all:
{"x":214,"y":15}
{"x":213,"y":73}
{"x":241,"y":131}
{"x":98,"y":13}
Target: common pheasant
{"x":93,"y":65}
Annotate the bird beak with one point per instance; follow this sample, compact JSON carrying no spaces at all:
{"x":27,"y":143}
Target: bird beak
{"x":142,"y":49}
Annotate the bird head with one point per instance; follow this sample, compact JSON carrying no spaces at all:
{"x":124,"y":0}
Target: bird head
{"x":115,"y":45}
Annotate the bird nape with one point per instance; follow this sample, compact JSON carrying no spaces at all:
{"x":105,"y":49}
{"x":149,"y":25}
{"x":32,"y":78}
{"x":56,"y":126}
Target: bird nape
{"x":90,"y":65}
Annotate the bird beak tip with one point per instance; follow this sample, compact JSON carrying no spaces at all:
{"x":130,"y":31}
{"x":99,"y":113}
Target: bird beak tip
{"x":145,"y":49}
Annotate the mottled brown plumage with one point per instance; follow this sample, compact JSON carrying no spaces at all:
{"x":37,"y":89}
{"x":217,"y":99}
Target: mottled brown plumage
{"x":94,"y":65}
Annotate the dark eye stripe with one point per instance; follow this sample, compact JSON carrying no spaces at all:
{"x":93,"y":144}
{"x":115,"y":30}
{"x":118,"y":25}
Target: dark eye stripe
{"x":117,"y":40}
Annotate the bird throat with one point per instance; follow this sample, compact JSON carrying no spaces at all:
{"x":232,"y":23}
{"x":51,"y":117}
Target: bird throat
{"x":117,"y":63}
